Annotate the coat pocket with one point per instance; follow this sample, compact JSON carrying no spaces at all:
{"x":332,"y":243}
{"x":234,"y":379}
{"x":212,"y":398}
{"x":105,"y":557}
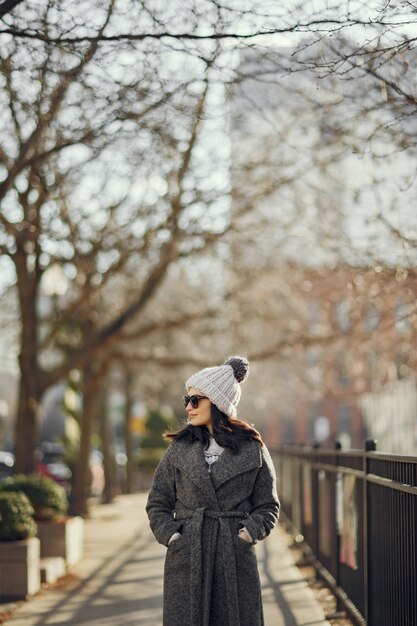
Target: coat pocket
{"x":242,"y":542}
{"x":178,"y":542}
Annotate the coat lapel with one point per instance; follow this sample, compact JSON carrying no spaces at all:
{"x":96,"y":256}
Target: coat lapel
{"x":229,"y":465}
{"x":189,"y":458}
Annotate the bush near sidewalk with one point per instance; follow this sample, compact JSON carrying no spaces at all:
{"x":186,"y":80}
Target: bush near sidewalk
{"x":16,"y":517}
{"x":60,"y":535}
{"x":48,"y":499}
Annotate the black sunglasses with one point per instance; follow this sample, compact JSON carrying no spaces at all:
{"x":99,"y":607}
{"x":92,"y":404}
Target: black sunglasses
{"x":195,"y":400}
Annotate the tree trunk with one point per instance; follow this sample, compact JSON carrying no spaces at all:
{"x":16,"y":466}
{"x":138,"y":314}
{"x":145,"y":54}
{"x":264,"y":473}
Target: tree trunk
{"x":26,"y":427}
{"x":82,"y":474}
{"x":26,"y":431}
{"x":108,"y":453}
{"x":127,"y":430}
{"x":31,"y":384}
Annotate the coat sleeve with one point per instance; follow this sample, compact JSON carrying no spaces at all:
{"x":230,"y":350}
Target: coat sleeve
{"x":265,"y":503}
{"x":161,"y":501}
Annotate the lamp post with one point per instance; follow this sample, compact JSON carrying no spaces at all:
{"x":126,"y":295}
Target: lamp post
{"x":54,"y":283}
{"x":4,"y":413}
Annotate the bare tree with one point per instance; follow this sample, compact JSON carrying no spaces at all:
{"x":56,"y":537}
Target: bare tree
{"x":326,"y":159}
{"x":86,"y":110}
{"x":68,"y":142}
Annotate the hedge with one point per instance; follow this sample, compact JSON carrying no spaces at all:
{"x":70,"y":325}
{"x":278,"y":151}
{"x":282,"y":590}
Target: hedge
{"x":48,"y":499}
{"x":16,"y":517}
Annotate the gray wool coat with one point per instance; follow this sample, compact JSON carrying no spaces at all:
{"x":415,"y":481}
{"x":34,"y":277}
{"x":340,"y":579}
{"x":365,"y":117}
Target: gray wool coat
{"x":211,"y":575}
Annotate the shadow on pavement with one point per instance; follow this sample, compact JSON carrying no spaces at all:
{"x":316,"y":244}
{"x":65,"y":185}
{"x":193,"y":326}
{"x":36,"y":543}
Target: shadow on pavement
{"x":122,"y":597}
{"x":276,"y":588}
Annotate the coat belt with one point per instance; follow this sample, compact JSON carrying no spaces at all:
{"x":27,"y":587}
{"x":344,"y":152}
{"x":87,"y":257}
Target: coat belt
{"x":200,"y":586}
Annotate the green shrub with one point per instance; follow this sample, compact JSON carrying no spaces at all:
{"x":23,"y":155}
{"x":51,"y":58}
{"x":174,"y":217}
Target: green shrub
{"x":148,"y":458}
{"x":48,"y":499}
{"x":16,"y":521}
{"x":156,"y":423}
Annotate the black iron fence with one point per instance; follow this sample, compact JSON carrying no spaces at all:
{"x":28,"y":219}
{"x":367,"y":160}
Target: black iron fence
{"x":357,"y":513}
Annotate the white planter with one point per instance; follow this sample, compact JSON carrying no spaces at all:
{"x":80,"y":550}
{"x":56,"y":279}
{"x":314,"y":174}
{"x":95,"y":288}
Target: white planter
{"x":19,"y":568}
{"x":64,"y":538}
{"x":52,"y":568}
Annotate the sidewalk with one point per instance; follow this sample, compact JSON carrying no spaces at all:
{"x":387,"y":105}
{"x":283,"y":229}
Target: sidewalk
{"x":119,"y":582}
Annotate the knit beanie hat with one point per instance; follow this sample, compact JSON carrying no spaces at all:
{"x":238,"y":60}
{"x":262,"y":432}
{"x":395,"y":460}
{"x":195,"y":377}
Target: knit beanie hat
{"x":221,"y":384}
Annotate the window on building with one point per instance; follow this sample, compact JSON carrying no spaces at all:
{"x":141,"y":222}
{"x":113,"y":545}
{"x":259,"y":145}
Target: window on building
{"x":342,"y":369}
{"x":344,"y":418}
{"x":343,"y":312}
{"x":313,"y":313}
{"x":288,"y":429}
{"x":371,"y":318}
{"x":313,"y":364}
{"x":402,"y":363}
{"x":402,"y":316}
{"x":345,"y":425}
{"x":373,"y":362}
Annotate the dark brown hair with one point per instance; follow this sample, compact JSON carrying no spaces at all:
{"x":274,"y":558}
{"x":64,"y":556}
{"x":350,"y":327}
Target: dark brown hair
{"x":229,"y":433}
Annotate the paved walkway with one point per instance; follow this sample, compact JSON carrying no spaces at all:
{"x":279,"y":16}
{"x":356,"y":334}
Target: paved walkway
{"x":119,"y":582}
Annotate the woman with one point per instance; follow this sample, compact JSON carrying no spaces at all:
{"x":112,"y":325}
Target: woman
{"x":213,"y":497}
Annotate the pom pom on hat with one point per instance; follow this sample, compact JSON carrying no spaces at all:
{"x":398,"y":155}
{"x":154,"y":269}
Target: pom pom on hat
{"x":240,"y":367}
{"x":221,"y":384}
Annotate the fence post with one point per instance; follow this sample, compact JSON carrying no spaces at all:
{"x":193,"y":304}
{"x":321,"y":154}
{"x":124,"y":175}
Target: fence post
{"x":370,"y":446}
{"x":315,"y":500}
{"x":337,"y":477}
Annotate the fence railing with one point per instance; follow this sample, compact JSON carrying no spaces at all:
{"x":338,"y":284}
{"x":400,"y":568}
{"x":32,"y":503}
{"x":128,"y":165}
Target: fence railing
{"x":357,"y":512}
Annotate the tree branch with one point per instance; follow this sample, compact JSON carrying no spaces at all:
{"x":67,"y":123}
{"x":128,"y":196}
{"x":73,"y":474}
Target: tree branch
{"x":167,"y":324}
{"x":297,"y":27}
{"x":55,"y":102}
{"x":7,"y":6}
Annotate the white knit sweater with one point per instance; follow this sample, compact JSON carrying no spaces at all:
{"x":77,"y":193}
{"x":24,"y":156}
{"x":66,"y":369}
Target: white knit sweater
{"x":213,"y":452}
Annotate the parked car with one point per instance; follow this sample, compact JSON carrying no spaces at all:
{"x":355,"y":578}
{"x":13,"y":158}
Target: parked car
{"x":49,"y":463}
{"x":6,"y":464}
{"x":97,"y":473}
